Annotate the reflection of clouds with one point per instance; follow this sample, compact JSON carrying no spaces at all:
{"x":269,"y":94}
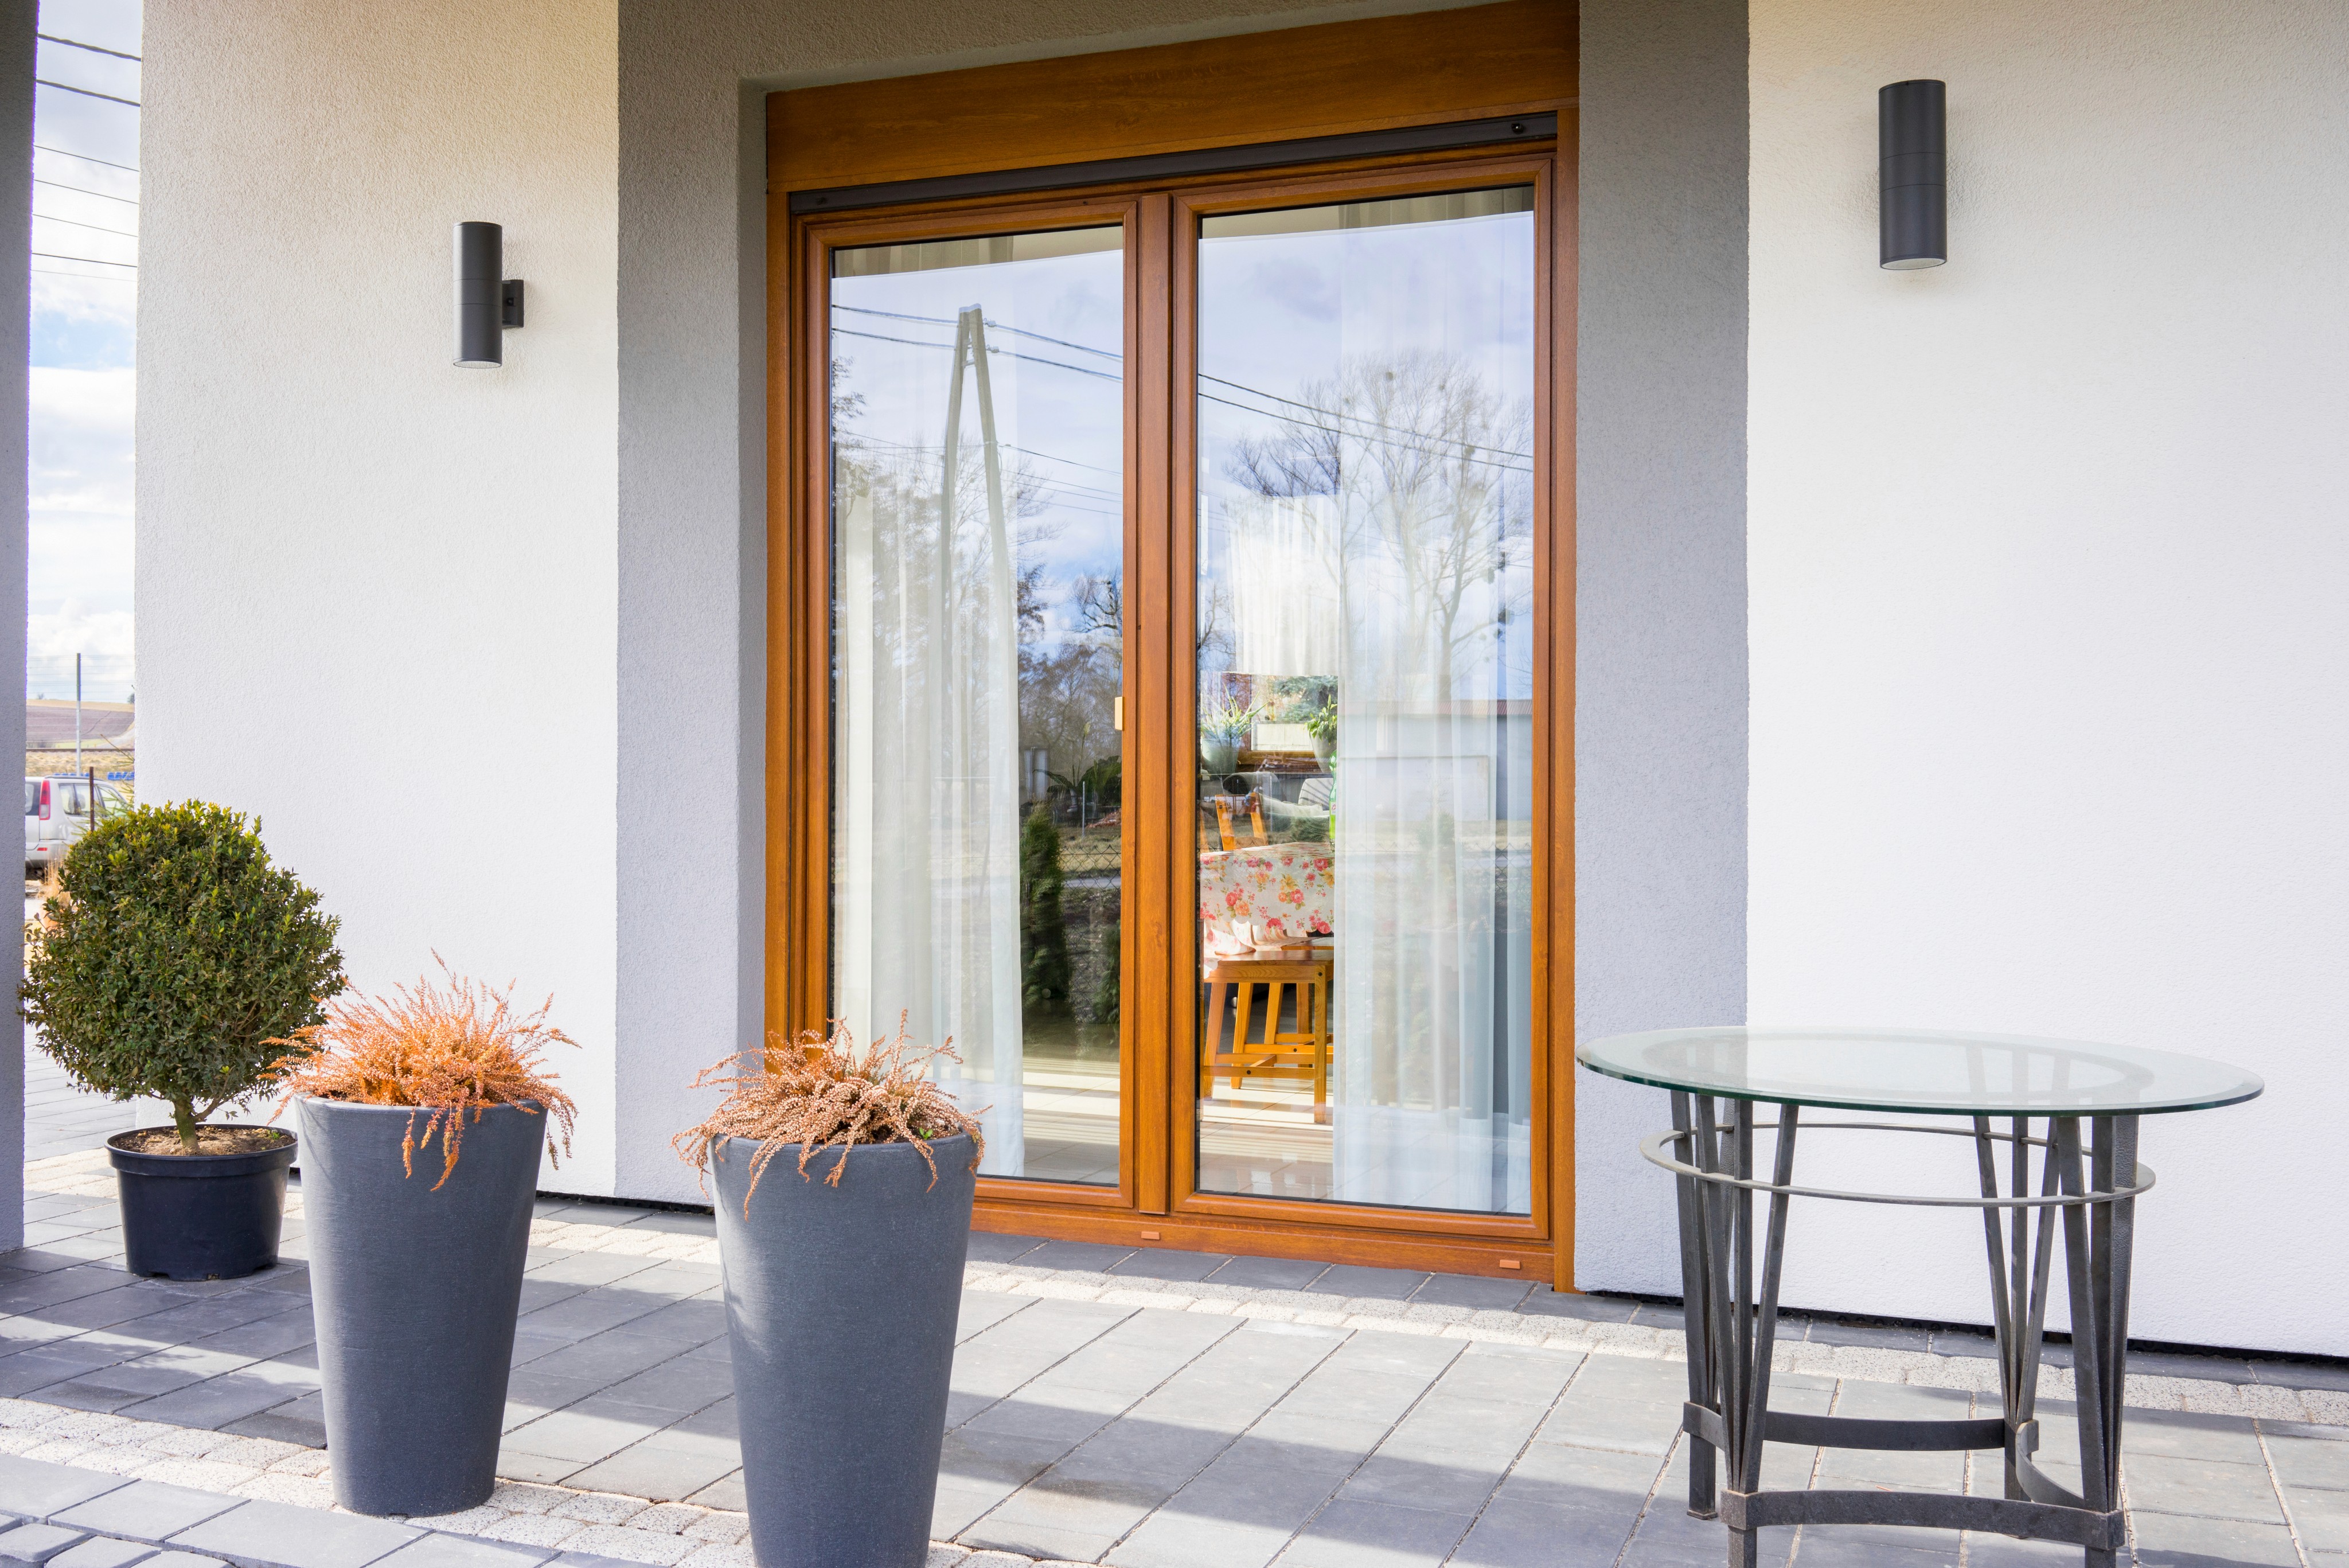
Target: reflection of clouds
{"x":1298,"y":287}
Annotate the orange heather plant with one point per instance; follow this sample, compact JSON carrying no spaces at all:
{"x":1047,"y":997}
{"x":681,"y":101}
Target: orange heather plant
{"x":821,"y":1093}
{"x":444,"y":1049}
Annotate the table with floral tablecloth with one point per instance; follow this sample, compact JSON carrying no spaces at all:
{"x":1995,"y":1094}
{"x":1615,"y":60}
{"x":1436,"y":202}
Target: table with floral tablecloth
{"x":1282,"y":890}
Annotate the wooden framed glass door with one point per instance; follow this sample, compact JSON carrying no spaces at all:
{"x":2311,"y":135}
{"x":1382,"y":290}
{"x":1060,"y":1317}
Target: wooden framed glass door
{"x":1171,"y":692}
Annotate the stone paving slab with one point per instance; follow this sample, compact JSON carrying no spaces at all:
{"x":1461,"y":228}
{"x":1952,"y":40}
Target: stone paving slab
{"x":1128,"y":1409}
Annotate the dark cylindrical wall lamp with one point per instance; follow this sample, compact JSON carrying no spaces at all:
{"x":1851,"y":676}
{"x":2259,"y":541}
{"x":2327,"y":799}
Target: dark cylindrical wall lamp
{"x":1914,"y":215}
{"x":488,"y":302}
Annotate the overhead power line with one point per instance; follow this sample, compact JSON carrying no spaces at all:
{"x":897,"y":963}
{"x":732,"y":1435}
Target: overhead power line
{"x":61,"y":185}
{"x":86,"y":92}
{"x":77,"y":222}
{"x":44,"y":146}
{"x":78,"y":44}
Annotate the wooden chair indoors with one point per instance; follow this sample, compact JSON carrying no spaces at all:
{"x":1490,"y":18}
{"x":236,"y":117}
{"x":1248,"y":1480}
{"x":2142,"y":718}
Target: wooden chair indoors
{"x":1279,"y":1025}
{"x":1227,"y":806}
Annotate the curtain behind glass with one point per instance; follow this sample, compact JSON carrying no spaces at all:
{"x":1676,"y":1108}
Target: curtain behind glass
{"x":1366,"y":394}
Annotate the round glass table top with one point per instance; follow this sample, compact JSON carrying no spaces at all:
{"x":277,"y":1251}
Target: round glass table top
{"x":1922,"y":1071}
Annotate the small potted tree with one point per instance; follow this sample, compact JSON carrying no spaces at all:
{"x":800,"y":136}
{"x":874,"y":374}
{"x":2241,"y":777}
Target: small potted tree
{"x":417,"y":1251}
{"x":170,"y":957}
{"x":844,"y":1180}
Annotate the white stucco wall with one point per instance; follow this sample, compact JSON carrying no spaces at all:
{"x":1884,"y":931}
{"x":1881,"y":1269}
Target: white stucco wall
{"x":2050,"y":602}
{"x":375,"y":593}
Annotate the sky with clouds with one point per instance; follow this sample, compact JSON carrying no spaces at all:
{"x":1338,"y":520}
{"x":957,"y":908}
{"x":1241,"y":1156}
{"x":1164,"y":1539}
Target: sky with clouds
{"x":85,"y":331}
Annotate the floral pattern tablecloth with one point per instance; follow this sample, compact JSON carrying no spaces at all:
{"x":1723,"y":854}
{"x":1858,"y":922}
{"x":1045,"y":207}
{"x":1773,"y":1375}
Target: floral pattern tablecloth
{"x":1283,"y":890}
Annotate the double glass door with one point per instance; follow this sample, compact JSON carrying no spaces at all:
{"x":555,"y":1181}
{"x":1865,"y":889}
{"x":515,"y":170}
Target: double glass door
{"x":1180,"y":553}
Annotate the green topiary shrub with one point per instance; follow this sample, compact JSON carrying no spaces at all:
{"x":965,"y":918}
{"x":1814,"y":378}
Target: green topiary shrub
{"x":174,"y":954}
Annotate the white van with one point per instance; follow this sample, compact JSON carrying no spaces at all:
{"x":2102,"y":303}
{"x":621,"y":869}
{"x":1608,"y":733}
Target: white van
{"x":57,"y":812}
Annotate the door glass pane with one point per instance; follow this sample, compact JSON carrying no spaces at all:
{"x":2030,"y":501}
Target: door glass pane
{"x":978,"y":469}
{"x":1365,"y":622}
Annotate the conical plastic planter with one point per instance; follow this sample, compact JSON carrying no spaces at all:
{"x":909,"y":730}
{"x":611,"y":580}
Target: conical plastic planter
{"x":840,"y":1307}
{"x":414,"y":1293}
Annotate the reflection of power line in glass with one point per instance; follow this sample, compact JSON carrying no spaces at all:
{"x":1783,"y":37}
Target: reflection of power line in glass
{"x":1522,"y":466}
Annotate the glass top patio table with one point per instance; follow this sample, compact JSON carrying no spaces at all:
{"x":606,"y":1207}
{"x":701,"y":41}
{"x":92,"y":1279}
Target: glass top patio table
{"x":1920,"y":1072}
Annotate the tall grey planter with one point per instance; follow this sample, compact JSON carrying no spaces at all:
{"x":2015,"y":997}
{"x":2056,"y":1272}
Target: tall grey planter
{"x":841,"y":1304}
{"x":414,"y":1292}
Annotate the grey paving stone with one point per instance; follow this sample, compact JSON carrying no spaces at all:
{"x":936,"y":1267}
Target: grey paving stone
{"x":36,"y":1488}
{"x":2209,"y":1368}
{"x":28,"y":1371}
{"x":591,"y":1431}
{"x":2165,"y":1484}
{"x":1470,"y":1291}
{"x":1086,"y":1256}
{"x":30,"y":1544}
{"x":2322,"y":1517}
{"x":2333,"y":1375}
{"x":668,"y":1466}
{"x":1544,"y":1302}
{"x":217,"y":1401}
{"x":682,"y":1384}
{"x":695,"y":1321}
{"x":102,"y":1552}
{"x":1875,"y":1335}
{"x":1379,"y":1284}
{"x":290,"y":1328}
{"x":442,"y":1551}
{"x":1516,"y":1533}
{"x":1971,"y":1344}
{"x":1168,"y":1263}
{"x":607,"y":1357}
{"x":297,"y":1537}
{"x":592,"y":1313}
{"x":1343,"y":1532}
{"x":1268,"y":1273}
{"x":986,"y":1248}
{"x":2311,"y":1461}
{"x":181,"y":1560}
{"x":302,"y":1421}
{"x":679,"y":1222}
{"x":146,"y":1511}
{"x":2174,"y":1541}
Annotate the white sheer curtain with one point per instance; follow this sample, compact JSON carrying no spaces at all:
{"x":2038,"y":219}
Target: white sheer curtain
{"x":1431,"y":1056}
{"x":926,"y":754}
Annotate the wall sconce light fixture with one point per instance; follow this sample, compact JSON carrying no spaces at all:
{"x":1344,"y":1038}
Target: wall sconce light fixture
{"x":488,"y":302}
{"x":1914,"y":213}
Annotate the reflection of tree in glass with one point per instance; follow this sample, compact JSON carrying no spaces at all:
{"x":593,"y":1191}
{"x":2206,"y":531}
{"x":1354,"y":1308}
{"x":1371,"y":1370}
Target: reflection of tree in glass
{"x":1432,"y":474}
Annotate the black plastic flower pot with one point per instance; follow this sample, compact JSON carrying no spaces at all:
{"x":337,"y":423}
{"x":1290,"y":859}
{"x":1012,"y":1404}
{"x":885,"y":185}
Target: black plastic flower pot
{"x":414,"y":1293}
{"x":199,"y":1216}
{"x":841,"y":1304}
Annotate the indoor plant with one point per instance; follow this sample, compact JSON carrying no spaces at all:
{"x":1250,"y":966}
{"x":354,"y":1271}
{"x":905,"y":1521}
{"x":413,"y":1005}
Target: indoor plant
{"x":845,"y":1182}
{"x":1223,"y":729}
{"x":171,"y":956}
{"x":417,"y":1252}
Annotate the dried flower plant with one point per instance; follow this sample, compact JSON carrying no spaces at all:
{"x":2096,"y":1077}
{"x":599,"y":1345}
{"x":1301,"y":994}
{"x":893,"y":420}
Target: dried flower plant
{"x":821,"y":1092}
{"x":446,"y":1049}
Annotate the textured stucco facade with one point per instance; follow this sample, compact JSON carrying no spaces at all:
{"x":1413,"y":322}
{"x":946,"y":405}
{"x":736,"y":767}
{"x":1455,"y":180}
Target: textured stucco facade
{"x":1953,"y":648}
{"x":2048,"y":591}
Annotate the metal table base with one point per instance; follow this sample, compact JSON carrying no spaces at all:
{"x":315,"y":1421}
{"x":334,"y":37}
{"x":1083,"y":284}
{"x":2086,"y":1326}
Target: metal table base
{"x":1732,"y":1327}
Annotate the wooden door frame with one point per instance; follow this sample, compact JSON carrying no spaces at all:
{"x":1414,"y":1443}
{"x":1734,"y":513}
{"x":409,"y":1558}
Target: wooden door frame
{"x":1147,"y":1208}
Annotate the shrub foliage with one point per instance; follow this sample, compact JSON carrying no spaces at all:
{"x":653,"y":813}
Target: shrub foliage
{"x":172,"y":957}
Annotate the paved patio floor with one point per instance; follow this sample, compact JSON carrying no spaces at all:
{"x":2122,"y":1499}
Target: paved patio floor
{"x":1141,"y":1409}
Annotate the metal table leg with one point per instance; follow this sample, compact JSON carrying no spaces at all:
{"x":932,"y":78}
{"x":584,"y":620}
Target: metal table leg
{"x":1731,"y":1329}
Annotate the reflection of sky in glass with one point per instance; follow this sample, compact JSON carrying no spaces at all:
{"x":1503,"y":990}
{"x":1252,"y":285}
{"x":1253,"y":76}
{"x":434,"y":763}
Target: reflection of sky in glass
{"x":1055,"y":330}
{"x":1282,"y":311}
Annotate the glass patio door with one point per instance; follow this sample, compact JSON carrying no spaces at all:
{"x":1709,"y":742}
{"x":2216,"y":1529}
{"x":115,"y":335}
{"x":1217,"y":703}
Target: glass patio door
{"x":976,"y":452}
{"x":1365,"y":413}
{"x":1170,"y":677}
